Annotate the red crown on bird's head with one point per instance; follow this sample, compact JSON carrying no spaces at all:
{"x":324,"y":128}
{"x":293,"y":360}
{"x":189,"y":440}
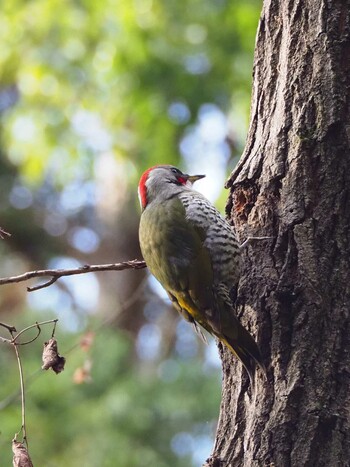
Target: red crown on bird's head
{"x":180,"y":179}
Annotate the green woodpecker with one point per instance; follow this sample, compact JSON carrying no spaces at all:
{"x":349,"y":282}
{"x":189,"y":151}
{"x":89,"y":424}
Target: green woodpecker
{"x":194,"y":253}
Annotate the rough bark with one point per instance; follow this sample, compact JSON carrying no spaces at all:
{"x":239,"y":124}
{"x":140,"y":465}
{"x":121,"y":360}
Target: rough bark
{"x":293,"y":183}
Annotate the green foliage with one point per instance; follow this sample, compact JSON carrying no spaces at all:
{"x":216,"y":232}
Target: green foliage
{"x":92,"y":93}
{"x":127,"y":415}
{"x":123,"y":64}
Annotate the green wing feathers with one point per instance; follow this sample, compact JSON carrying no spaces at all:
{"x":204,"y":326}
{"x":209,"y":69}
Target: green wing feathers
{"x":178,"y":258}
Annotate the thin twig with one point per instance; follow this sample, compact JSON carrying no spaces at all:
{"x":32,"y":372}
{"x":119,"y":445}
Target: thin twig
{"x":36,"y":325}
{"x":23,"y":400}
{"x":5,"y":341}
{"x":23,"y":427}
{"x":8,"y":327}
{"x":12,"y":331}
{"x":54,"y":327}
{"x":57,"y":273}
{"x":41,"y":286}
{"x":4,"y":234}
{"x":14,"y":338}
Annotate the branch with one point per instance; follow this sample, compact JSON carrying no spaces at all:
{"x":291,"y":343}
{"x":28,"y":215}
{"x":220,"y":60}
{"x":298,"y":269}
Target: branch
{"x":3,"y":233}
{"x":57,"y":273}
{"x":23,"y":399}
{"x":12,"y":330}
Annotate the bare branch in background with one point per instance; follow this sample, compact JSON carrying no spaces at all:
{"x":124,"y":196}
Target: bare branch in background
{"x":4,"y":234}
{"x":55,"y":274}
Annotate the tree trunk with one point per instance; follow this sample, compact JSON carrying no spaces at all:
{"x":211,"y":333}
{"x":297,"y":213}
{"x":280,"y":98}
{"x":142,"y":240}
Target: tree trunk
{"x":293,"y":184}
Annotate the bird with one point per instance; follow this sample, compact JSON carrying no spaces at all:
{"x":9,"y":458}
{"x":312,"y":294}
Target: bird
{"x":194,"y":253}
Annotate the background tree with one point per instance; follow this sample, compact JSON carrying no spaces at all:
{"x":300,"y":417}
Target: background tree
{"x":293,"y":183}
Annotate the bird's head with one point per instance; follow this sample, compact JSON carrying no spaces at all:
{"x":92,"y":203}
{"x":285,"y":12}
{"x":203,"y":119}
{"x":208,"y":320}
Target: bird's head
{"x":163,"y":181}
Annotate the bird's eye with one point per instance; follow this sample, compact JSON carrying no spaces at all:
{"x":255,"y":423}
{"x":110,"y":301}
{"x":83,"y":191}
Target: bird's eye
{"x":176,"y":171}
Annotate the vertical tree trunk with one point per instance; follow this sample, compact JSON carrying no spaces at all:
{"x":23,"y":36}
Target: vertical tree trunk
{"x":293,"y":183}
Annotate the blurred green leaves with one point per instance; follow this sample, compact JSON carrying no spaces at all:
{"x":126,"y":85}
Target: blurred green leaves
{"x":128,"y":415}
{"x":122,"y":63}
{"x":92,"y":93}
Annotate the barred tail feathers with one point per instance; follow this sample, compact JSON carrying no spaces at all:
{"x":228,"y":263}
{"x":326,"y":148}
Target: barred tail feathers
{"x":247,"y":351}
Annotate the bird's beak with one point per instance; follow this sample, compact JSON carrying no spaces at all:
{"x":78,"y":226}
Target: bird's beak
{"x":194,"y":178}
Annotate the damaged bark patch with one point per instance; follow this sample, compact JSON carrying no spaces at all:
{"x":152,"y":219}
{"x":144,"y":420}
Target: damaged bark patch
{"x":244,"y":197}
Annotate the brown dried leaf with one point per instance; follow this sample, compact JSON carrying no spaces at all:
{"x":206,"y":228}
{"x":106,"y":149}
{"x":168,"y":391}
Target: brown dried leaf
{"x":21,"y":457}
{"x":83,"y":374}
{"x":51,"y":357}
{"x":87,"y":340}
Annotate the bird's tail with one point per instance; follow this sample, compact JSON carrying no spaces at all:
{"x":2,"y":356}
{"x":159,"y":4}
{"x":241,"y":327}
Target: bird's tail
{"x":246,"y":350}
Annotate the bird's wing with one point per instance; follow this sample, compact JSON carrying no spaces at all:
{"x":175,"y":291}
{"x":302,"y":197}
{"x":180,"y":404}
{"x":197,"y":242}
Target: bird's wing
{"x":176,"y":255}
{"x":181,"y":260}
